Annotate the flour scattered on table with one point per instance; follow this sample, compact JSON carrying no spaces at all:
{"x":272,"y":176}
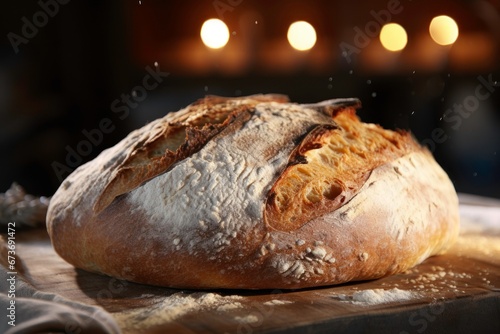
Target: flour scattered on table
{"x":249,"y":319}
{"x":174,"y":306}
{"x":277,"y":302}
{"x":378,"y":296}
{"x":229,"y":306}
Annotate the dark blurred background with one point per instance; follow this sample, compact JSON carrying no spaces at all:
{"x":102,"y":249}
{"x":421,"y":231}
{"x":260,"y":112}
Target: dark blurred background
{"x":65,"y":66}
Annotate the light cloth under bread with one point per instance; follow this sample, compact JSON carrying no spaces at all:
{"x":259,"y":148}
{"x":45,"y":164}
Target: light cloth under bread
{"x":41,"y":312}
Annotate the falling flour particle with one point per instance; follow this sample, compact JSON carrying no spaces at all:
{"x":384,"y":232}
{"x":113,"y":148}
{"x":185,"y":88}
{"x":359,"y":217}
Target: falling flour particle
{"x":175,"y":306}
{"x":378,"y":296}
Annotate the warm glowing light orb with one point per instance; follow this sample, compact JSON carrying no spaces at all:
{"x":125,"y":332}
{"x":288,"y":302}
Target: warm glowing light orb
{"x":301,"y":35}
{"x":393,"y":37}
{"x":443,"y":30}
{"x":214,"y":33}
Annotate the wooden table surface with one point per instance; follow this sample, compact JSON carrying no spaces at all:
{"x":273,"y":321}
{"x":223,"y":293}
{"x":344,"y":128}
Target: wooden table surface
{"x":458,"y":292}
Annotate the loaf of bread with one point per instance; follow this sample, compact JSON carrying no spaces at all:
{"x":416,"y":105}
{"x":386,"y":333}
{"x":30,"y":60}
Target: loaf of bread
{"x":256,"y":193}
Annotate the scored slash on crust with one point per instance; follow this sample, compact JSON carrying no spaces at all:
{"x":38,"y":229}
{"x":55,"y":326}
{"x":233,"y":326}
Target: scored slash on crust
{"x":330,"y":165}
{"x":176,"y":137}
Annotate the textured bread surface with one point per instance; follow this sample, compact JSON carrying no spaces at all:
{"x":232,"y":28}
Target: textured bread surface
{"x":256,"y":193}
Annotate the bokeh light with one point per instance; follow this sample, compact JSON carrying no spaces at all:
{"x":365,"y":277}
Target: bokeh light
{"x":443,"y":30}
{"x":301,"y":35}
{"x":393,"y":37}
{"x":214,"y":33}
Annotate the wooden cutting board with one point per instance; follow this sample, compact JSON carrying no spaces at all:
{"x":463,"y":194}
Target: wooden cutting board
{"x":458,"y":292}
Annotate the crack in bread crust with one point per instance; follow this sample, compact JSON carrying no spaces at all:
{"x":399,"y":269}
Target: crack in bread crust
{"x":179,"y":136}
{"x":329,"y":167}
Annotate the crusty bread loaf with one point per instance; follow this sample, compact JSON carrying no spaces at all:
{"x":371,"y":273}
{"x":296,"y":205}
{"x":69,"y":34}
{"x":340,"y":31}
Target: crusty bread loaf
{"x":256,"y":193}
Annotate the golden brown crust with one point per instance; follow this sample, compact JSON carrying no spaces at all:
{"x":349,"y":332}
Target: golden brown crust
{"x":380,"y":205}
